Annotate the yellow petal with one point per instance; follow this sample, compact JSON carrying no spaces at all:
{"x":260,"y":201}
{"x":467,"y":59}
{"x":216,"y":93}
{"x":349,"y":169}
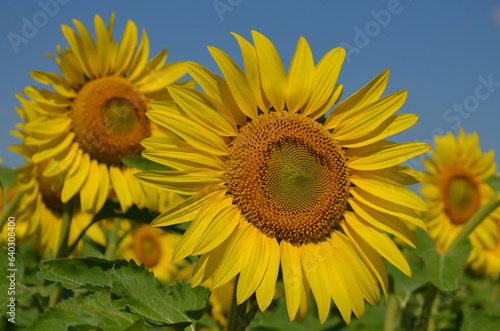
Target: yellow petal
{"x":159,"y":79}
{"x":232,"y":261}
{"x":292,"y":276}
{"x":379,"y":241}
{"x":369,"y":93}
{"x":140,"y":59}
{"x":126,"y":49}
{"x":265,"y":291}
{"x":120,"y":188}
{"x":77,"y":47}
{"x":182,"y":182}
{"x":192,"y":132}
{"x":45,"y":126}
{"x":102,"y":41}
{"x":89,"y":52}
{"x":389,"y":127}
{"x":370,"y":257}
{"x":383,"y":154}
{"x":57,"y":81}
{"x":237,"y":82}
{"x":312,"y":260}
{"x":389,"y":191}
{"x":184,"y":159}
{"x":53,"y":148}
{"x":272,"y":72}
{"x":199,"y":225}
{"x":387,"y":206}
{"x":219,"y":229}
{"x":253,"y":271}
{"x":88,"y":194}
{"x":76,"y":177}
{"x":252,"y":72}
{"x":186,"y":210}
{"x":368,"y":118}
{"x":217,"y":88}
{"x":198,"y":106}
{"x":61,"y":162}
{"x":326,"y":73}
{"x":384,"y":222}
{"x":300,"y":79}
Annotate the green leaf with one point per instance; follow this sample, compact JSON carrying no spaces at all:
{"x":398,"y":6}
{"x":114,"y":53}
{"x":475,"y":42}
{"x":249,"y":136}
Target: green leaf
{"x":93,"y":311}
{"x":160,"y":304}
{"x":405,"y":286}
{"x":444,"y":270}
{"x":494,"y":182}
{"x":478,"y":320}
{"x":131,"y":287}
{"x":142,"y":163}
{"x":7,"y":177}
{"x":81,"y":273}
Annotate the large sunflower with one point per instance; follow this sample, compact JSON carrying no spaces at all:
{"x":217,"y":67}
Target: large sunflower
{"x":275,"y":182}
{"x":96,"y":115}
{"x":454,"y":188}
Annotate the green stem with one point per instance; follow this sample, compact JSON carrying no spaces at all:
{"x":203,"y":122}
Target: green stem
{"x":239,"y":317}
{"x":38,"y":302}
{"x":423,"y":322}
{"x":475,"y":220}
{"x":9,"y":207}
{"x":392,"y":313}
{"x":62,"y":247}
{"x":113,"y":239}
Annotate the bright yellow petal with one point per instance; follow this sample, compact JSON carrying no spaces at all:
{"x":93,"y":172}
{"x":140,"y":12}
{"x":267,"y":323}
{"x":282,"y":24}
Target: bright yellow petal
{"x":182,"y":182}
{"x":327,"y":71}
{"x":126,"y":49}
{"x":265,"y":291}
{"x":383,"y":154}
{"x":379,"y":241}
{"x":120,"y":187}
{"x":199,"y":107}
{"x":186,"y":210}
{"x":140,"y":59}
{"x":159,"y":79}
{"x":90,"y":189}
{"x":53,"y":148}
{"x":193,"y":133}
{"x":237,"y":82}
{"x":300,"y":79}
{"x":76,"y":177}
{"x":292,"y":276}
{"x":368,"y":118}
{"x":389,"y":127}
{"x":272,"y":72}
{"x":184,"y":159}
{"x":102,"y":41}
{"x":369,"y":93}
{"x":390,"y":191}
{"x":252,"y":72}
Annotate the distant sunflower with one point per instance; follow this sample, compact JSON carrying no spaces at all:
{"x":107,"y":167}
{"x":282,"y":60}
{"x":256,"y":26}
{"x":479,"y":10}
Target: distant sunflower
{"x":96,"y":115}
{"x":454,"y":188}
{"x":282,"y":184}
{"x":154,"y":248}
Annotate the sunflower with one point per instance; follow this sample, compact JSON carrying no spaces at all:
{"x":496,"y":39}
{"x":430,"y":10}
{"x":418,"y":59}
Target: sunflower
{"x":273,"y":181}
{"x":454,"y":188}
{"x":95,"y":116}
{"x":154,"y":248}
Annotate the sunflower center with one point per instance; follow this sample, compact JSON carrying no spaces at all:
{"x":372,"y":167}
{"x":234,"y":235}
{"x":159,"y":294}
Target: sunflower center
{"x":109,"y":119}
{"x":146,"y":245}
{"x":461,"y":197}
{"x":288,"y":176}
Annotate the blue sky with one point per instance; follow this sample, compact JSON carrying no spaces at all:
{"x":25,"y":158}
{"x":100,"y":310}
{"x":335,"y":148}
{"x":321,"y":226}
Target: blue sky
{"x":446,"y":54}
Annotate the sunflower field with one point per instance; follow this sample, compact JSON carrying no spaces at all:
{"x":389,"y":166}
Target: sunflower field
{"x":253,"y":188}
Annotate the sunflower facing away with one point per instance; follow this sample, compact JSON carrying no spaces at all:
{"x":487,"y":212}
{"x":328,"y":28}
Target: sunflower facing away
{"x":454,"y":188}
{"x":274,"y":182}
{"x":487,"y":262}
{"x":96,"y":114}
